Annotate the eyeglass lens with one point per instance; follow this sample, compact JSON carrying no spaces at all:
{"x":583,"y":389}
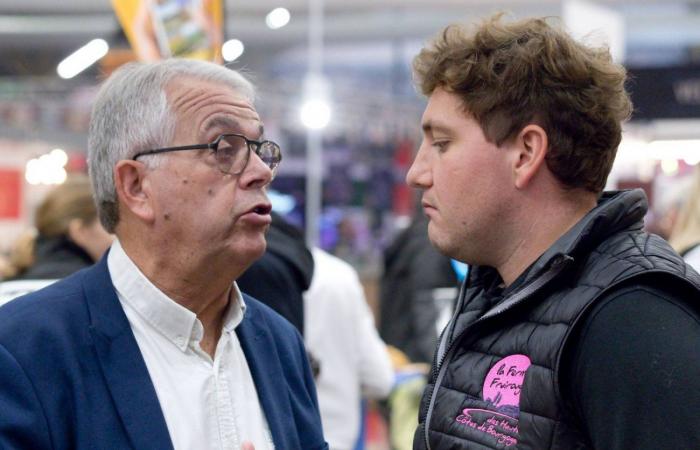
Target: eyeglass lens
{"x":232,"y":154}
{"x":270,"y":154}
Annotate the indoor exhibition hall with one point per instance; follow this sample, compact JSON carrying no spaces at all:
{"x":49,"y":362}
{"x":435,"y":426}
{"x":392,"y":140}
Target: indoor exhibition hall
{"x":349,"y":225}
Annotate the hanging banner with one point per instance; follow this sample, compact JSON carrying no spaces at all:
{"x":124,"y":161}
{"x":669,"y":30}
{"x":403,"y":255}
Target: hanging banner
{"x":665,"y":92}
{"x":10,"y":193}
{"x":159,"y":29}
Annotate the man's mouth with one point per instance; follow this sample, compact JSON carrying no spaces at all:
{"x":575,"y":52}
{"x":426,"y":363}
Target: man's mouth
{"x":262,"y":209}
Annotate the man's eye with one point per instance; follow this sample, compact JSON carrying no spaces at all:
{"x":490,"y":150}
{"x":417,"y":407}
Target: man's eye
{"x":225,"y":151}
{"x":441,"y":146}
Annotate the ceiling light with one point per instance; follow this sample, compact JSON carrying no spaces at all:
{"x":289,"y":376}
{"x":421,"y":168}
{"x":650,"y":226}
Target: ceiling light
{"x":688,"y":150}
{"x":316,"y":105}
{"x":59,"y":157}
{"x":232,"y":49}
{"x":669,"y":166}
{"x":82,"y":58}
{"x":315,"y":114}
{"x":47,"y":169}
{"x":277,"y":18}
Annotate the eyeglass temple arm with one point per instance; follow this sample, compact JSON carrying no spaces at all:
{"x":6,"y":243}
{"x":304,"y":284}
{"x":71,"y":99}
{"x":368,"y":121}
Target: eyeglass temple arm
{"x":175,"y":149}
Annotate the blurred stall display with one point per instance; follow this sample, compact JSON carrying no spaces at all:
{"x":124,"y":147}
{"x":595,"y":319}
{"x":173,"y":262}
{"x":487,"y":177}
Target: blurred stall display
{"x":361,"y":180}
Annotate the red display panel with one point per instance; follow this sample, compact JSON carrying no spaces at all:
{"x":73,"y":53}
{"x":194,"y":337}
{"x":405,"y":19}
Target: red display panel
{"x":10,"y":193}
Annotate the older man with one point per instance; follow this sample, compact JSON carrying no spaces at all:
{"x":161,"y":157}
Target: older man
{"x":155,"y":347}
{"x":575,"y":329}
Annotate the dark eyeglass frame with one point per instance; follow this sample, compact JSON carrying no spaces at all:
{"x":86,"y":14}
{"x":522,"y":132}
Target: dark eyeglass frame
{"x":253,"y":146}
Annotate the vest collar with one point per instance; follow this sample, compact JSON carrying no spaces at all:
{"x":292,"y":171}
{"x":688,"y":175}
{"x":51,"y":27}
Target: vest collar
{"x":616,"y":211}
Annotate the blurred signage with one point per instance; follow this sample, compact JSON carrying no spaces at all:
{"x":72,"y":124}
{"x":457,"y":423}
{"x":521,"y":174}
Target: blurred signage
{"x":665,"y":92}
{"x":159,"y":29}
{"x":10,"y":193}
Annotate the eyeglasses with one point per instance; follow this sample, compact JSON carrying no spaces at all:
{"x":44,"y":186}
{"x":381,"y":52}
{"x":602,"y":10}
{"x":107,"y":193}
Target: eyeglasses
{"x":232,"y":152}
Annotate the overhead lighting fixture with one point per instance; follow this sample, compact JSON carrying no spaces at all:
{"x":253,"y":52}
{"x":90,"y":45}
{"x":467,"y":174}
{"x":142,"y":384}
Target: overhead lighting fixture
{"x":687,"y":150}
{"x":669,"y":166}
{"x":82,"y":58}
{"x":277,"y":18}
{"x":47,"y":169}
{"x":316,"y":109}
{"x":232,"y":49}
{"x":59,"y":157}
{"x":633,"y":150}
{"x":315,"y":114}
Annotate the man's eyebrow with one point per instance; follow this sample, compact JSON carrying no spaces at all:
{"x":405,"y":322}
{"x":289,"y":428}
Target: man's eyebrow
{"x":228,"y":125}
{"x":431,"y":127}
{"x":225,"y":123}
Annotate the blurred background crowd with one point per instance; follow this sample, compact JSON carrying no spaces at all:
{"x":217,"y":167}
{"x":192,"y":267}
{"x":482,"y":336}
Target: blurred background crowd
{"x":334,"y":89}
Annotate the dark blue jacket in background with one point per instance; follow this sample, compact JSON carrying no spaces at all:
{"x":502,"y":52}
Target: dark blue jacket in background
{"x":72,"y":375}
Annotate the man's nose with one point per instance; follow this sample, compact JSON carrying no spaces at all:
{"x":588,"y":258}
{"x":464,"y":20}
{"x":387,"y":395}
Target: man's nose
{"x":418,"y":175}
{"x":257,"y":173}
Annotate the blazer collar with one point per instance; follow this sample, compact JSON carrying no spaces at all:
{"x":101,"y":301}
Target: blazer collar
{"x":122,"y":363}
{"x":263,"y":359}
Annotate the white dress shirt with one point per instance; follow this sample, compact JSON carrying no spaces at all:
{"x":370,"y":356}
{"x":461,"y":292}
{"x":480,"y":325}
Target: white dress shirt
{"x":339,"y":332}
{"x":207,"y":404}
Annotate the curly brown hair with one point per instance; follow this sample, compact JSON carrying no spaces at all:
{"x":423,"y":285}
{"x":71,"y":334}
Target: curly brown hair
{"x":530,"y":71}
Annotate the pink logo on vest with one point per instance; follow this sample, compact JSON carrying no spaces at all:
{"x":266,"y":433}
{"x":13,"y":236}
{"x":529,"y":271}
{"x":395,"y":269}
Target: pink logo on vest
{"x":501,"y":393}
{"x":504,"y":382}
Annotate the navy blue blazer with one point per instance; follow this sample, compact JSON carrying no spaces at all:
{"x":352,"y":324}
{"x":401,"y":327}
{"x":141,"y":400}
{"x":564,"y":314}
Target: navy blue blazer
{"x":72,"y":375}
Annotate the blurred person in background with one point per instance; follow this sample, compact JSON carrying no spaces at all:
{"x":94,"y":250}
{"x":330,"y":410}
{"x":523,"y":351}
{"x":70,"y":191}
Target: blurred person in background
{"x":67,"y":237}
{"x":155,"y":347}
{"x":417,"y":297}
{"x":20,"y":257}
{"x":685,"y":235}
{"x":21,"y":254}
{"x":6,"y":267}
{"x":575,"y":328}
{"x":418,"y":286}
{"x":668,"y":199}
{"x":340,"y":334}
{"x":280,"y":277}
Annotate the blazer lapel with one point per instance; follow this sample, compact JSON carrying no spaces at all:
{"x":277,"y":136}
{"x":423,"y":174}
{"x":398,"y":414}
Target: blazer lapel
{"x":264,"y":363}
{"x":122,"y":364}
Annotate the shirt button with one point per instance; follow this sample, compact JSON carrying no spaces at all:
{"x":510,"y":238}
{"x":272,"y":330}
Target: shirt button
{"x":179,"y":340}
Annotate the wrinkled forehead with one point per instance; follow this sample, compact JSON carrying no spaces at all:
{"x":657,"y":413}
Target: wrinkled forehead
{"x":209,"y":104}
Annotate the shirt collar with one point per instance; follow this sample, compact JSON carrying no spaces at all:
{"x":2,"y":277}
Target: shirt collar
{"x":177,"y":323}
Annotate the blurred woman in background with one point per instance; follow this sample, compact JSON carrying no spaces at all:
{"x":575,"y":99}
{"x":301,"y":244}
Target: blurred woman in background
{"x":685,"y":236}
{"x":68,"y":235}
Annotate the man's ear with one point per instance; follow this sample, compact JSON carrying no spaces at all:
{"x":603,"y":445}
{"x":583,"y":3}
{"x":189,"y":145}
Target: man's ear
{"x":532,"y":146}
{"x":133,"y":189}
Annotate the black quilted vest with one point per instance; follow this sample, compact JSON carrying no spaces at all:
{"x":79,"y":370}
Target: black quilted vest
{"x":495,"y":380}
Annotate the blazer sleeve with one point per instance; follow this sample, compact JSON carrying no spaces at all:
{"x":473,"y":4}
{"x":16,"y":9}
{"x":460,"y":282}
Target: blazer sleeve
{"x":23,"y":424}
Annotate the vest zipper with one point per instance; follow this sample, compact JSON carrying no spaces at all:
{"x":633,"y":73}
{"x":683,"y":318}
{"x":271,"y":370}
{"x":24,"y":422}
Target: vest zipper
{"x":557,"y":266}
{"x":440,"y":353}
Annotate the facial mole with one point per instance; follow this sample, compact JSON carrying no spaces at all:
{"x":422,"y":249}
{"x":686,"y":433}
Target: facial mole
{"x":166,"y":216}
{"x":210,"y":192}
{"x":185,"y":181}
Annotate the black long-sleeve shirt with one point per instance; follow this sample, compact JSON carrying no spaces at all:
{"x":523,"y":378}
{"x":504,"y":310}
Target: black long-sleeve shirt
{"x":633,"y":372}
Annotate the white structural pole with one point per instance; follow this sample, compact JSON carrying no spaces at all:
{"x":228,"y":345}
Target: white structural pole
{"x":314,"y":136}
